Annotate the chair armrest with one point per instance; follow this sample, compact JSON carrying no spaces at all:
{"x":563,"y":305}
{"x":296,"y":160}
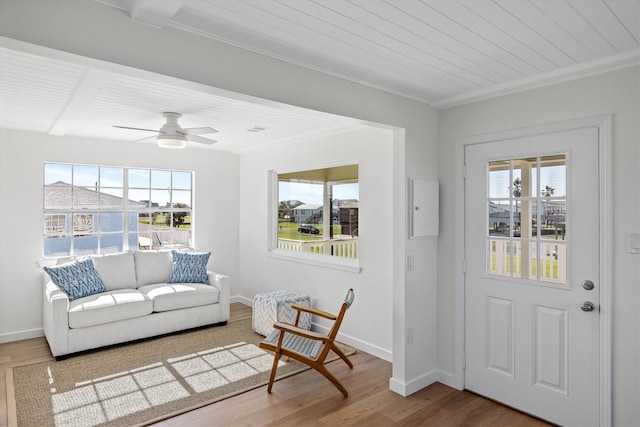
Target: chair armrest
{"x":285,"y":327}
{"x":314,"y":311}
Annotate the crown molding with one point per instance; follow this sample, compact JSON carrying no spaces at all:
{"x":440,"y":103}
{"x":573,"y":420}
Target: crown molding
{"x":598,"y":66}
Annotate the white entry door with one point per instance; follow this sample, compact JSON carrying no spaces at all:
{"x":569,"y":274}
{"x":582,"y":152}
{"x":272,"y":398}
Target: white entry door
{"x":532,"y":256}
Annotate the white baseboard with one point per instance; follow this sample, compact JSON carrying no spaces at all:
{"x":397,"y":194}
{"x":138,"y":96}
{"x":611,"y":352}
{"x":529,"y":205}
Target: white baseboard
{"x":242,"y":300}
{"x":358,"y":344}
{"x":449,"y":379}
{"x":346,"y":339}
{"x":21,"y":335}
{"x":408,"y":388}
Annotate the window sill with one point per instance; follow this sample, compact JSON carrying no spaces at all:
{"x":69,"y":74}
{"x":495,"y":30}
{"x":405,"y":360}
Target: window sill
{"x":325,"y":261}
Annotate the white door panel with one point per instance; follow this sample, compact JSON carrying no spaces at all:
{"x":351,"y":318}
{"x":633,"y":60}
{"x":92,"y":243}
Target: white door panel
{"x":529,"y":343}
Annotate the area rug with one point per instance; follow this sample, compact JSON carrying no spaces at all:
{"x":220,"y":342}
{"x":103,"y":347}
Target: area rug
{"x":143,"y":382}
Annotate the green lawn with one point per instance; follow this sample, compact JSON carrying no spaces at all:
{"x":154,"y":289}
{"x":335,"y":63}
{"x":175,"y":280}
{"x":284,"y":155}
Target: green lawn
{"x":548,"y":266}
{"x":161,"y":221}
{"x":289,"y":230}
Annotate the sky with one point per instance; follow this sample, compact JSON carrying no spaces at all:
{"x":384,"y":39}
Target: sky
{"x":144,"y":184}
{"x":312,"y":193}
{"x":553,"y":176}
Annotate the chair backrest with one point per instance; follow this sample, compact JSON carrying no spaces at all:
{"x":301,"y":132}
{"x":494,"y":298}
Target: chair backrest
{"x":345,"y":305}
{"x":349,"y":298}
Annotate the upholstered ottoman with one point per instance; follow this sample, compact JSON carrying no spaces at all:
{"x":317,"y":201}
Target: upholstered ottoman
{"x":272,"y":307}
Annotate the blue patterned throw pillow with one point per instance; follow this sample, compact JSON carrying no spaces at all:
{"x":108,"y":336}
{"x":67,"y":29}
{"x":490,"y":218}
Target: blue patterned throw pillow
{"x":189,"y":267}
{"x":77,"y":279}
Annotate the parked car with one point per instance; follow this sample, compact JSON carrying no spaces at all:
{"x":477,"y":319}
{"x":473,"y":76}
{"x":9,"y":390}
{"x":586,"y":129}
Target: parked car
{"x":306,"y":228}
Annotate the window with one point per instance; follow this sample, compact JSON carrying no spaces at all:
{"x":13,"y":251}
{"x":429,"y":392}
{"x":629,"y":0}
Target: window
{"x":317,"y":213}
{"x":101,"y":209}
{"x":527,"y":222}
{"x":54,"y":225}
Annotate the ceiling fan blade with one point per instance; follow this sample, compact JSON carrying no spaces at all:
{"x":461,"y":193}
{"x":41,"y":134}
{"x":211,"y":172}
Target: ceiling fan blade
{"x":149,"y":138}
{"x":199,"y":131}
{"x":127,"y":127}
{"x":201,"y":140}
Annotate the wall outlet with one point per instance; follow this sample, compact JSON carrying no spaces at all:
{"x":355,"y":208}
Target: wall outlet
{"x":410,"y":335}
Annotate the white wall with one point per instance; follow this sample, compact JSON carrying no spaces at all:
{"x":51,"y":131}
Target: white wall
{"x":22,"y":155}
{"x":616,"y":93}
{"x":90,"y":29}
{"x":372,"y":149}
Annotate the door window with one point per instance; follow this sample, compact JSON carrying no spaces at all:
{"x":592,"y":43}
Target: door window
{"x":526,"y":219}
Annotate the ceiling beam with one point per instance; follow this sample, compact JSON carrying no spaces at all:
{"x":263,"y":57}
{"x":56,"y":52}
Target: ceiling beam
{"x":156,"y":13}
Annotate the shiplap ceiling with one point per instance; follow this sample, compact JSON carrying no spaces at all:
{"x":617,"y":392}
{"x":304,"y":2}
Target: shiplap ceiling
{"x":52,"y":92}
{"x":438,"y":51}
{"x":442,"y":52}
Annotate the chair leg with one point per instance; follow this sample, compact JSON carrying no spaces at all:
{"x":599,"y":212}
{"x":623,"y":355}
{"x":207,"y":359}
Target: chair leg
{"x":324,"y":371}
{"x":276,"y":358}
{"x":343,"y":356}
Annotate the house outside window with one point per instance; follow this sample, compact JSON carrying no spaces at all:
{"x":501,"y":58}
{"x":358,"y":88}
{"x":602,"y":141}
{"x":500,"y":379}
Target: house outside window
{"x":307,"y":213}
{"x":55,"y":225}
{"x":100,"y":209}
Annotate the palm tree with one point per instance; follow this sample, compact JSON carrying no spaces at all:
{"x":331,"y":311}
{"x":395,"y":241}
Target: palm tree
{"x":517,"y":192}
{"x":517,"y":184}
{"x":548,"y":191}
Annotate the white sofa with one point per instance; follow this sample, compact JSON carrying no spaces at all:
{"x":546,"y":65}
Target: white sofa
{"x":138,"y":303}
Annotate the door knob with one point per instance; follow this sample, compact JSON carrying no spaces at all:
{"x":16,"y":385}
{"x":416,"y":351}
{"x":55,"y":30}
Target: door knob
{"x":587,"y":306}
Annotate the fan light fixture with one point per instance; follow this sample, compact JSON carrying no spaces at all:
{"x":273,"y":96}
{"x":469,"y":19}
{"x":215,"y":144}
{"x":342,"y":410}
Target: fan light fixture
{"x":175,"y":142}
{"x":172,"y":136}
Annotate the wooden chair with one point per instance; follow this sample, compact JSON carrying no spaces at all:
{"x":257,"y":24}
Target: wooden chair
{"x":308,"y":347}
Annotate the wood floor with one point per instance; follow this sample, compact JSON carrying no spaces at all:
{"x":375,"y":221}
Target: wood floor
{"x":308,"y":399}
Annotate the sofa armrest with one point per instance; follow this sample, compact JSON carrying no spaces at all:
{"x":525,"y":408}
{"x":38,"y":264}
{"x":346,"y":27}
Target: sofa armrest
{"x":223,"y":284}
{"x":55,"y":317}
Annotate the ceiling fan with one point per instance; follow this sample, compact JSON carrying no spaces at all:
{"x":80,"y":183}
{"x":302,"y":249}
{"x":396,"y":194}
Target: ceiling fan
{"x":171,"y":135}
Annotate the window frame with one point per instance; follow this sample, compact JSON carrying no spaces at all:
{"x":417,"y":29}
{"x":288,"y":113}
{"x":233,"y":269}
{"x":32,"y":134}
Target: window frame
{"x":71,"y":211}
{"x":351,"y":265}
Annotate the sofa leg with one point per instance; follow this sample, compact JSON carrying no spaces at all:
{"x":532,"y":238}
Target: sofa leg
{"x":220,"y":323}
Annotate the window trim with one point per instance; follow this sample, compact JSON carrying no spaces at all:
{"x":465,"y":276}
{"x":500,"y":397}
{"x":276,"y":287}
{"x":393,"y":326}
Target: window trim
{"x":536,"y":198}
{"x":320,"y":260}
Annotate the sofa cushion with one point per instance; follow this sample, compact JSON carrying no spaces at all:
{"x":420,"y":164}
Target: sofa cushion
{"x":108,"y":307}
{"x":117,"y":271}
{"x":77,"y":279}
{"x":173,"y":296}
{"x":66,"y":260}
{"x":189,"y":267}
{"x":152,"y":267}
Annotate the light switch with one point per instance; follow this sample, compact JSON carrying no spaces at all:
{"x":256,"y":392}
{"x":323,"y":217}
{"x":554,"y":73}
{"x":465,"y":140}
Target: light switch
{"x":410,"y":265}
{"x":634,"y":243}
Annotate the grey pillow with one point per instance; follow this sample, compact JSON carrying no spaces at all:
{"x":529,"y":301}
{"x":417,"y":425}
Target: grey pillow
{"x":117,"y":271}
{"x":152,"y":267}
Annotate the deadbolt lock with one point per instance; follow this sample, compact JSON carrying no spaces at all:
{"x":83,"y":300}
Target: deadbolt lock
{"x":588,"y":285}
